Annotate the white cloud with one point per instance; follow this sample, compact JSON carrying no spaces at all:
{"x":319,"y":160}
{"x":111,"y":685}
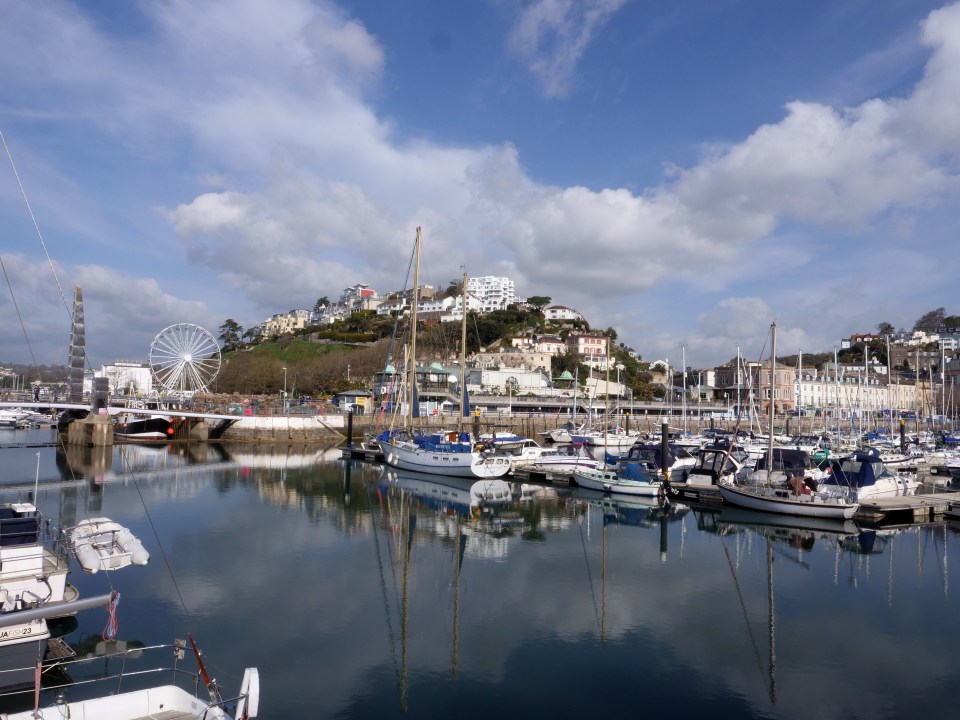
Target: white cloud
{"x":551,"y":36}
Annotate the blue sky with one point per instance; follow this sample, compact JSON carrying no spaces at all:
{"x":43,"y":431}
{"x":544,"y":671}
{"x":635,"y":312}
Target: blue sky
{"x":685,"y":171}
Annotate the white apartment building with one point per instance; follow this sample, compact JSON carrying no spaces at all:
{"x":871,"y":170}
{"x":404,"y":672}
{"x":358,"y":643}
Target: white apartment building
{"x":494,"y":293}
{"x":560,"y":313}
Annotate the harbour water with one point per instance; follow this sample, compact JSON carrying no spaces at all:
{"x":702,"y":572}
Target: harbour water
{"x":362,"y":593}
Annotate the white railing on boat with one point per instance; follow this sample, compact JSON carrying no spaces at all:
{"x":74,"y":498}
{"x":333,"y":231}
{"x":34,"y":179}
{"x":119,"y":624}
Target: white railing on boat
{"x":89,"y":676}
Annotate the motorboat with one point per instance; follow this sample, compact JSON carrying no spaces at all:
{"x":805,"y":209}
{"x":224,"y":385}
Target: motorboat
{"x":615,"y":438}
{"x":522,"y":451}
{"x":33,"y":588}
{"x":150,"y":429}
{"x":864,"y":476}
{"x":627,"y":479}
{"x":716,"y":464}
{"x":563,"y":459}
{"x":651,"y":454}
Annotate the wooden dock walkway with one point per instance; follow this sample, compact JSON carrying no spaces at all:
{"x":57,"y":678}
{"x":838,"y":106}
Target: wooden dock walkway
{"x":910,"y":509}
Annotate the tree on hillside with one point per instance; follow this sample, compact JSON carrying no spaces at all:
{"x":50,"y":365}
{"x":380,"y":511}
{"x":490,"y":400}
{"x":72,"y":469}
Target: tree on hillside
{"x":930,"y":321}
{"x":538,"y":302}
{"x":885,"y":328}
{"x":454,"y":289}
{"x":230,"y":333}
{"x":567,"y":361}
{"x":321,"y":303}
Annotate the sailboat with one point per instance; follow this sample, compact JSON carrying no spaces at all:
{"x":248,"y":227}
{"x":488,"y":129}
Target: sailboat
{"x":630,"y":478}
{"x":452,"y":453}
{"x":794,"y":498}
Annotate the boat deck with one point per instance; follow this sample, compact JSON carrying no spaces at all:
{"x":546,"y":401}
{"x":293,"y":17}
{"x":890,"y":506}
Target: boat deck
{"x":168,"y":715}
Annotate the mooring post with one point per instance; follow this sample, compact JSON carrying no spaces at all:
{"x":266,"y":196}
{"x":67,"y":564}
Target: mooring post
{"x":350,"y":429}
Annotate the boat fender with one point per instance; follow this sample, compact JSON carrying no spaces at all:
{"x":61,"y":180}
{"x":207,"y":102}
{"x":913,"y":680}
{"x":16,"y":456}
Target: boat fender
{"x":249,"y":703}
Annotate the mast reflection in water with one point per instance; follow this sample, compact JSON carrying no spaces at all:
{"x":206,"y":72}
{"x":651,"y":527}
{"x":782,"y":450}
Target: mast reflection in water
{"x":362,"y":592}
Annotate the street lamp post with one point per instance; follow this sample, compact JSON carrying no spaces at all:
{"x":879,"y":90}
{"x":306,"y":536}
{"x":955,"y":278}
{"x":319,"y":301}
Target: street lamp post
{"x":284,"y":391}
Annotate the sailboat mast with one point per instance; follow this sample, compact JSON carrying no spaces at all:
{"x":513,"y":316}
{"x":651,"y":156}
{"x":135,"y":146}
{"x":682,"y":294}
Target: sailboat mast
{"x":683,"y":402}
{"x":943,"y":389}
{"x":606,"y":397}
{"x":773,"y":364}
{"x":412,"y":360}
{"x":836,"y":385}
{"x":889,"y":385}
{"x":800,"y":392}
{"x":739,"y":386}
{"x":463,"y":354}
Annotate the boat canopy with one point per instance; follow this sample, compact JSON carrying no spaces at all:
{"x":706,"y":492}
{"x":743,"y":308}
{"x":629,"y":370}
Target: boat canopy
{"x":788,"y":460}
{"x":858,"y":470}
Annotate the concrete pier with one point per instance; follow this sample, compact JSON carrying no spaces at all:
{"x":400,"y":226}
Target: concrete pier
{"x":91,"y":431}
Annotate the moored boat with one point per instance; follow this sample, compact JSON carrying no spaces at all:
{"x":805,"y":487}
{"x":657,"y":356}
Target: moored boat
{"x":168,"y":699}
{"x":102,"y":544}
{"x":628,"y":479}
{"x":794,"y":498}
{"x":788,"y":502}
{"x":864,"y":476}
{"x":563,"y":459}
{"x":151,"y":429}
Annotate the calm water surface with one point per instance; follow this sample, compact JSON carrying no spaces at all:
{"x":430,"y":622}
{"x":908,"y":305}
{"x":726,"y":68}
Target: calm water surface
{"x":362,"y":593}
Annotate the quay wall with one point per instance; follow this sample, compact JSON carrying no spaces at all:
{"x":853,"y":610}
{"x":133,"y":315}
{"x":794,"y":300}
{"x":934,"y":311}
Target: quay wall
{"x":336,"y":427}
{"x":287,"y":429}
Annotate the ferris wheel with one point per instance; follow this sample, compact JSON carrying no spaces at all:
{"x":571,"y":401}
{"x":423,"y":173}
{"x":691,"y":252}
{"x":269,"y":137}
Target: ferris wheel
{"x":184,"y":358}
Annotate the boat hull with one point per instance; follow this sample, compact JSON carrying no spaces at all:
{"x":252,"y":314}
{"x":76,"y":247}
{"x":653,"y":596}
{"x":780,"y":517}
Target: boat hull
{"x":20,"y":646}
{"x":609,"y":481}
{"x":410,"y":456}
{"x":784,"y":502}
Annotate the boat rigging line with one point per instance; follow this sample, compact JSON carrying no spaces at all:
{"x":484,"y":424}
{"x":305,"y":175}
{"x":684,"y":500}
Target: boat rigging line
{"x":53,"y":270}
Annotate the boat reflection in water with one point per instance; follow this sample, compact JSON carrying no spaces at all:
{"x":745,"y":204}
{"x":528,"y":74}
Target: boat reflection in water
{"x":641,"y":511}
{"x":460,"y":494}
{"x":795,"y":528}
